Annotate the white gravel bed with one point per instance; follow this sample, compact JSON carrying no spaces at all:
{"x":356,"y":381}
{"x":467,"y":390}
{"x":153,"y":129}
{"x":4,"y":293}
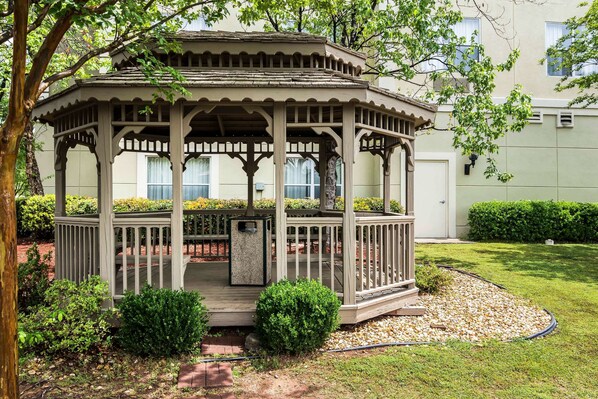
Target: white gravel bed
{"x":470,"y":309}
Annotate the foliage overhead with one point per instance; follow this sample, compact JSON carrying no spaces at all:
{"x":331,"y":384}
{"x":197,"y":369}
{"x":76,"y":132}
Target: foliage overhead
{"x":403,"y":38}
{"x":577,"y":49}
{"x":77,"y":33}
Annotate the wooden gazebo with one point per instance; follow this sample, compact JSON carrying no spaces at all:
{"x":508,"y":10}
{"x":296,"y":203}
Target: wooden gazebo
{"x":252,"y":96}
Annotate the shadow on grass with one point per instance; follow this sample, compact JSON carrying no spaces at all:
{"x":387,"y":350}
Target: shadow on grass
{"x":572,"y":262}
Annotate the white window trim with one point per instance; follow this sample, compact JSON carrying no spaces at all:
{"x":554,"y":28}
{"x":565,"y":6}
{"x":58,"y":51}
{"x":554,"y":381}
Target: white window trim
{"x":313,"y":184}
{"x":142,"y":174}
{"x":451,"y":159}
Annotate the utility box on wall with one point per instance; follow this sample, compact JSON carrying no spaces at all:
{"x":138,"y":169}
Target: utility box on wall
{"x":250,"y":260}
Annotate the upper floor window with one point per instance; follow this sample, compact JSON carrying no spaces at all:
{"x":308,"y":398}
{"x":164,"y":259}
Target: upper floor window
{"x":302,"y":180}
{"x":197,"y":25}
{"x":196,"y":179}
{"x":554,"y":32}
{"x":467,"y":29}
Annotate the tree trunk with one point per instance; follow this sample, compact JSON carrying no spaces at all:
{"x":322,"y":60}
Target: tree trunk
{"x":331,"y":181}
{"x":34,"y":180}
{"x":9,"y":146}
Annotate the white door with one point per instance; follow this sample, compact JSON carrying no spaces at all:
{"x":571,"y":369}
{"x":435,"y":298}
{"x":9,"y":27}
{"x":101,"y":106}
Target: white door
{"x":431,"y":199}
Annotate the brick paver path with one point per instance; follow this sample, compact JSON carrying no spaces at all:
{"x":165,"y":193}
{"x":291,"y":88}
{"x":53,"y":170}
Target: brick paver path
{"x":205,"y":375}
{"x":228,"y":345}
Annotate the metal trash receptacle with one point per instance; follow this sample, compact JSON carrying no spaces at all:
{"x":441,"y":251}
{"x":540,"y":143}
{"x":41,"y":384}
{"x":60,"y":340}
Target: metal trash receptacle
{"x":250,"y":258}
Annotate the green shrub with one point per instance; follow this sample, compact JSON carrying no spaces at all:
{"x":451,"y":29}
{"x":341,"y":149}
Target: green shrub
{"x":33,"y":279}
{"x":35,"y":214}
{"x":431,"y":279}
{"x":70,"y":319}
{"x":296,"y":317}
{"x":534,"y":221}
{"x":161,"y":322}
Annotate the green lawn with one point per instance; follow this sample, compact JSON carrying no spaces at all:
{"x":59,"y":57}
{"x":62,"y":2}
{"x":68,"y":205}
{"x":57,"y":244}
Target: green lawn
{"x":561,"y":278}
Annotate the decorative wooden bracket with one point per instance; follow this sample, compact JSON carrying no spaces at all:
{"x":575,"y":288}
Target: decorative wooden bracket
{"x":116,"y":150}
{"x":337,"y":139}
{"x":250,"y":109}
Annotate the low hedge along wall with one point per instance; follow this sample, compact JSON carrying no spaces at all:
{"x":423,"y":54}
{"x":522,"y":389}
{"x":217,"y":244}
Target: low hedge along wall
{"x":534,"y":221}
{"x":35,"y":214}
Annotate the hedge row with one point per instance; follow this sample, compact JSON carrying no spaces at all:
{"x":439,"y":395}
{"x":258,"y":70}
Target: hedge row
{"x":35,"y":214}
{"x":534,"y":221}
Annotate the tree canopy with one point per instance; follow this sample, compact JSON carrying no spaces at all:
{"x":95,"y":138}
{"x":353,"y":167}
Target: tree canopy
{"x":575,"y":51}
{"x":45,"y":44}
{"x":415,"y":41}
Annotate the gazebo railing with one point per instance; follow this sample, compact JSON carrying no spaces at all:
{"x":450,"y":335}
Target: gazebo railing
{"x":142,"y":252}
{"x":76,"y":247}
{"x":385,"y":247}
{"x":314,"y":250}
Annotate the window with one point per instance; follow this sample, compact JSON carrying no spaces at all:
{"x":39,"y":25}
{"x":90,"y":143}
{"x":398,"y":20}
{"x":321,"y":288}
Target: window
{"x":555,"y":31}
{"x":302,"y":180}
{"x":466,"y":29}
{"x":197,"y":25}
{"x":196,"y":179}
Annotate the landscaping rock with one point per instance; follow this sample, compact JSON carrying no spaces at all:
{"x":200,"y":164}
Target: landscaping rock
{"x":469,"y":309}
{"x":252,"y":342}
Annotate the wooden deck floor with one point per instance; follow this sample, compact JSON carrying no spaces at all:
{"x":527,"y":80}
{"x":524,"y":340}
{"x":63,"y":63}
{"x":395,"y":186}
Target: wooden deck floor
{"x":235,"y":305}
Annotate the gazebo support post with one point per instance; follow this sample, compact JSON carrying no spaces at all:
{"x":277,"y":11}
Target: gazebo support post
{"x":386,"y":181}
{"x":60,"y":183}
{"x":177,"y":160}
{"x":349,"y":229}
{"x":106,"y":213}
{"x":322,"y":164}
{"x":280,"y":137}
{"x":250,"y":170}
{"x":410,"y":206}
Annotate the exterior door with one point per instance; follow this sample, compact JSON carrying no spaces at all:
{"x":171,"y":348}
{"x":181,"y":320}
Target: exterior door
{"x":431,"y":199}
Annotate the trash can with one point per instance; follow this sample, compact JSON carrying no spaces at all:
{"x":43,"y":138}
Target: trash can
{"x":250,"y":260}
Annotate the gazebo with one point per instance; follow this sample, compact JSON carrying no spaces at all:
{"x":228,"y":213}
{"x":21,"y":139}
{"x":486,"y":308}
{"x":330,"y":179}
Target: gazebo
{"x":251,"y":96}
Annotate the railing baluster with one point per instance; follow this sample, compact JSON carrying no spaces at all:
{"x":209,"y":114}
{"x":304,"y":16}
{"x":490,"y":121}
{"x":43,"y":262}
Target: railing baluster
{"x":124,"y":255}
{"x":148,"y":234}
{"x":320,"y":254}
{"x":136,"y":250}
{"x":308,"y":249}
{"x":296,"y":252}
{"x":161,"y":257}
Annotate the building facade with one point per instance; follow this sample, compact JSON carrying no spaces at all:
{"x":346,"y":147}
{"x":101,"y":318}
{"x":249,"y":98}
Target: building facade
{"x":554,"y":158}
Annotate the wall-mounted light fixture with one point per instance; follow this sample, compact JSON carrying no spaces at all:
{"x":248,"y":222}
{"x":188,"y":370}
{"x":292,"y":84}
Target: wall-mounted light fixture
{"x":468,"y":166}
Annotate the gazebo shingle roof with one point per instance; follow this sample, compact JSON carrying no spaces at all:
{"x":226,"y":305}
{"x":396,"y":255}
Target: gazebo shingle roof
{"x":220,"y":77}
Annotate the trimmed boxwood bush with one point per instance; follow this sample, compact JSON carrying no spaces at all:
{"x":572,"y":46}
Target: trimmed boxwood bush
{"x":35,"y":214}
{"x":296,"y":317}
{"x":161,"y":322}
{"x":534,"y":221}
{"x":431,"y":279}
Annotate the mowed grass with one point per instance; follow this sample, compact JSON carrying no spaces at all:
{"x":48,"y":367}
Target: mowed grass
{"x":561,"y":278}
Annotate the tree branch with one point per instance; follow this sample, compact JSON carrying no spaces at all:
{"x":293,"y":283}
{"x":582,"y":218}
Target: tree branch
{"x":9,"y":9}
{"x":7,"y":34}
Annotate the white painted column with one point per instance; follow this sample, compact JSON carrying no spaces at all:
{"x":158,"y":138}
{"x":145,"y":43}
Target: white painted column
{"x":106,"y":215}
{"x":280,"y":148}
{"x":177,"y":158}
{"x":410,"y":205}
{"x":349,"y":232}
